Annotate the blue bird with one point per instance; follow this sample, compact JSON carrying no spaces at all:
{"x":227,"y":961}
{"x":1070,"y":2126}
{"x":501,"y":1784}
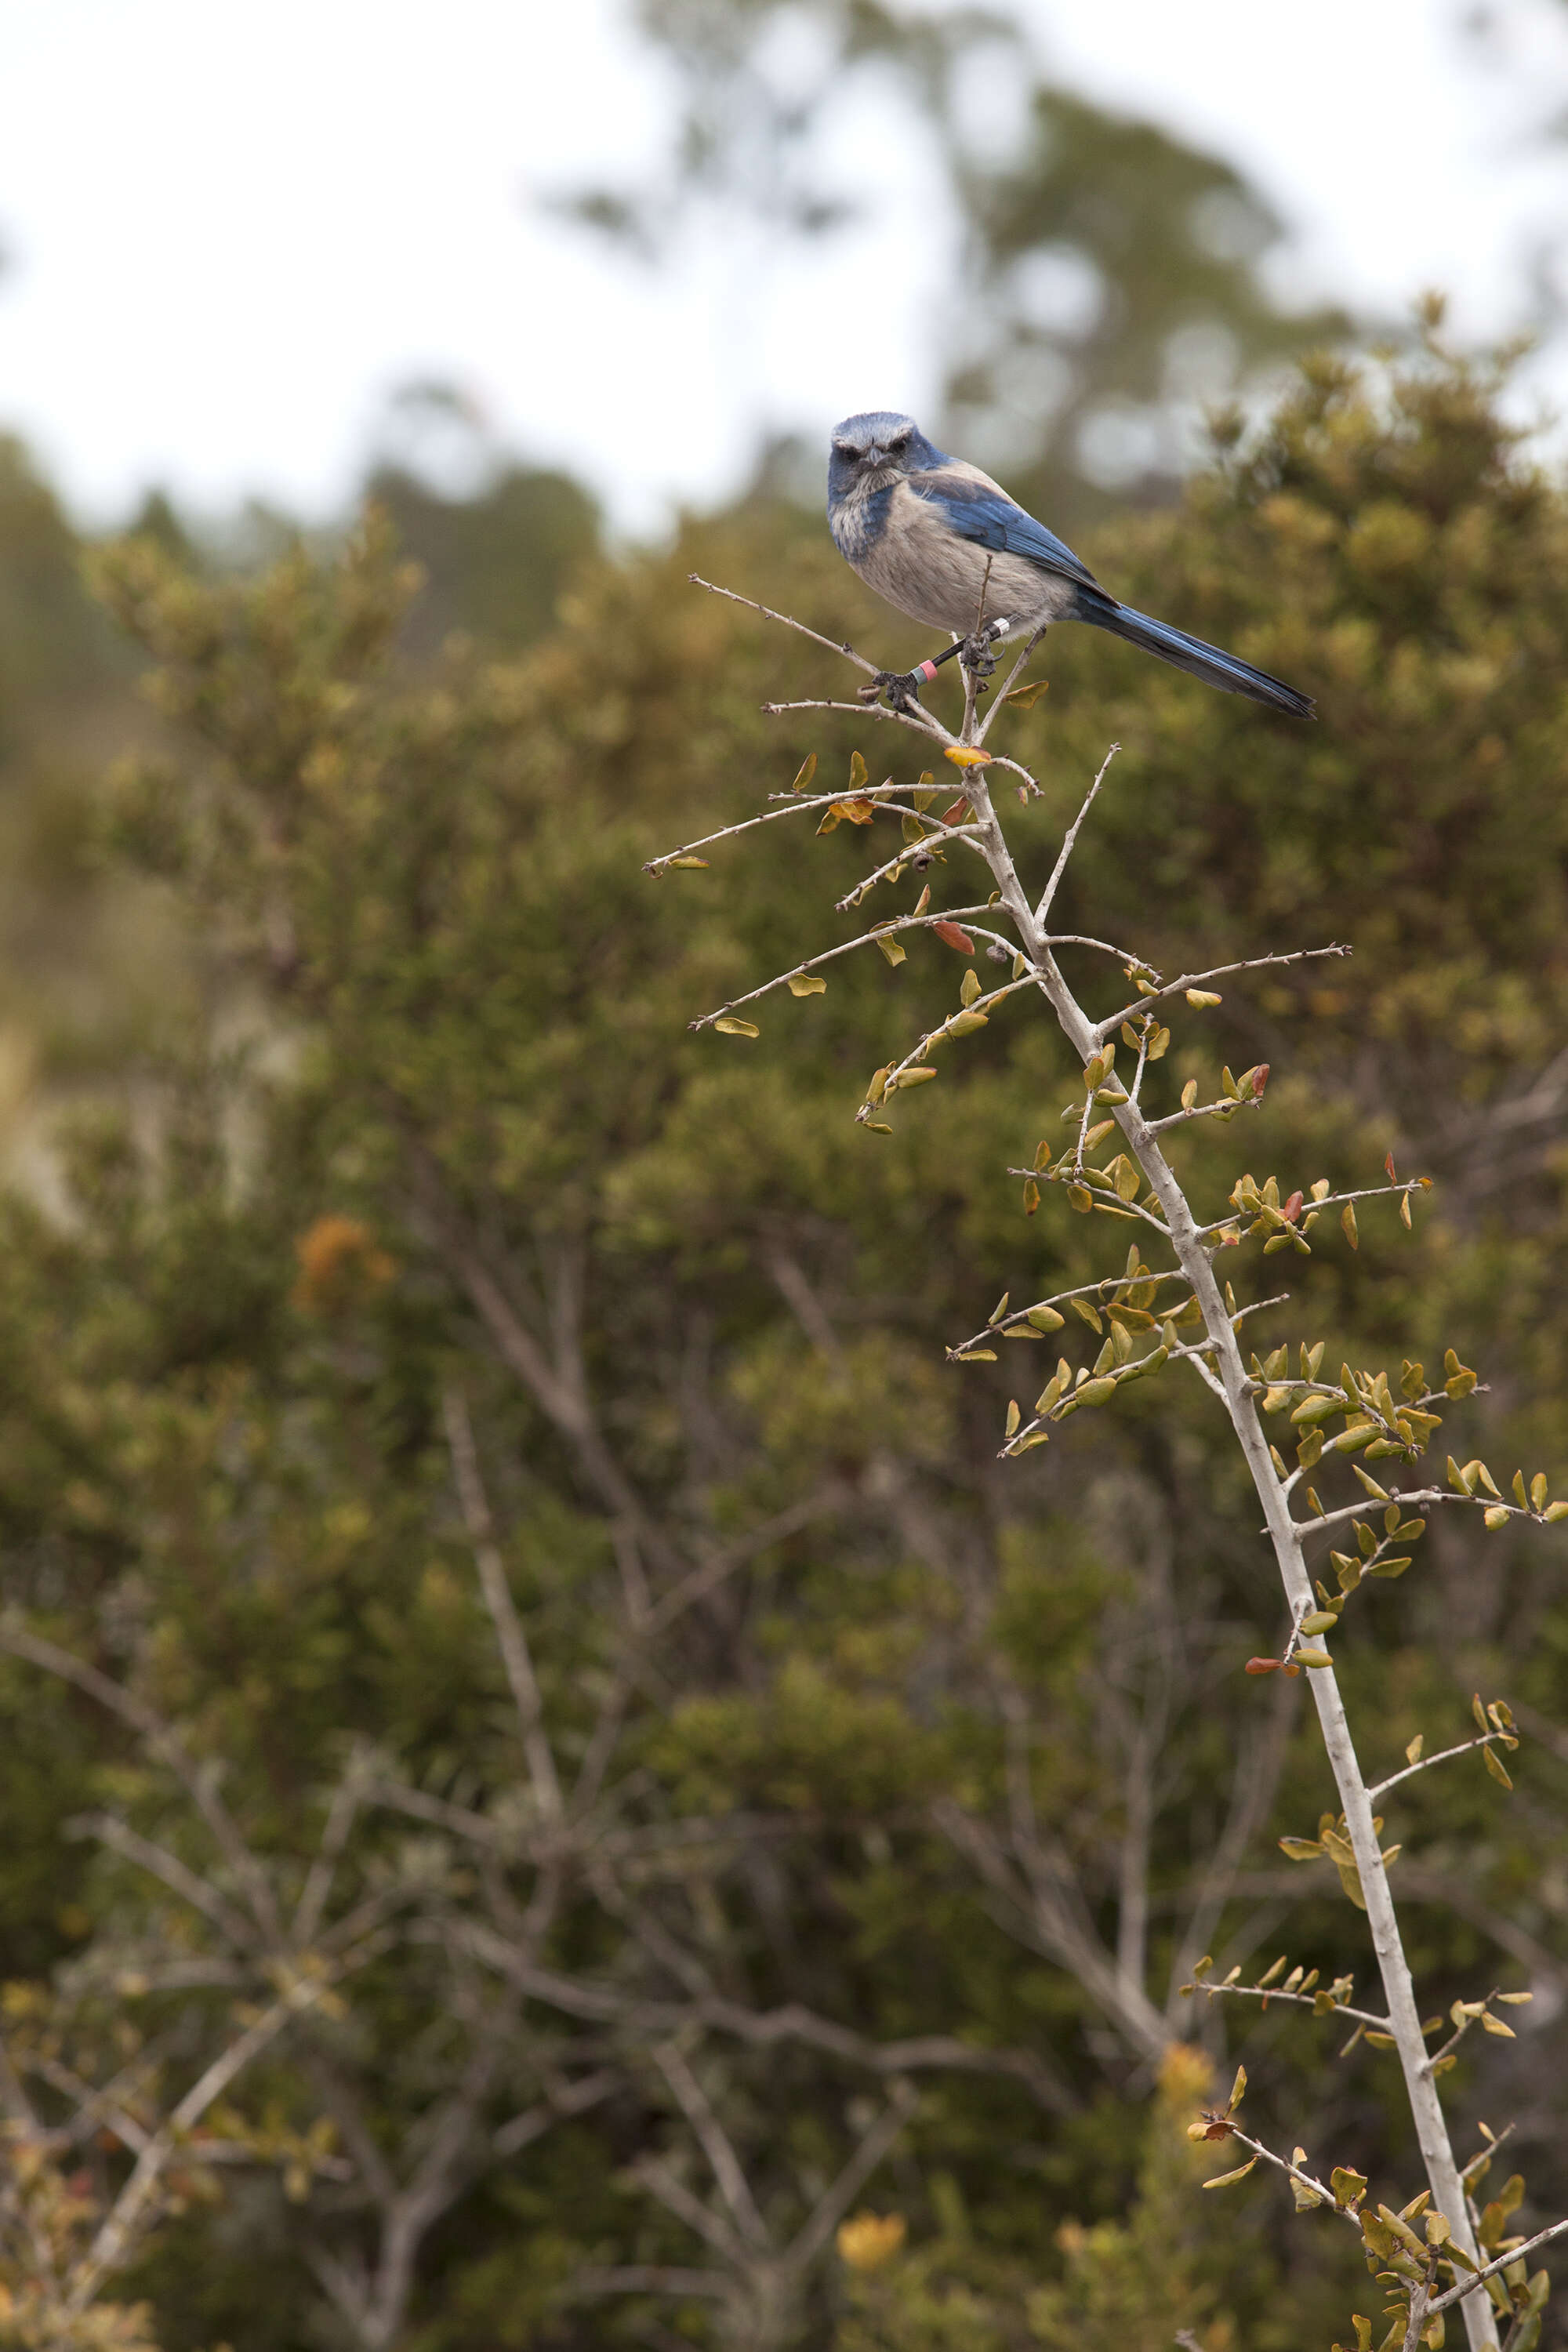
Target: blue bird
{"x":945,"y":543}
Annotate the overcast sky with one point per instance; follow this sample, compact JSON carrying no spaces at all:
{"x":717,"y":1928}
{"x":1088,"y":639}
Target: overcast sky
{"x":232,"y":230}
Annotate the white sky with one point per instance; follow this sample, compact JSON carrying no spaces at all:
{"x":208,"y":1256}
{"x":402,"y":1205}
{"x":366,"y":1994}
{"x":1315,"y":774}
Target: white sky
{"x":234,"y":230}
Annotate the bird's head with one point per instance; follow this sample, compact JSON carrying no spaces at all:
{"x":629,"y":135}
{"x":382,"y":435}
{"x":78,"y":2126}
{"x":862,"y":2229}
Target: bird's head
{"x":870,"y":451}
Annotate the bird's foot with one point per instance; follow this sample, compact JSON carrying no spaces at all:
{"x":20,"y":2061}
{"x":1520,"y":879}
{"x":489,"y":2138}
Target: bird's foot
{"x":901,"y":689}
{"x":976,"y":653}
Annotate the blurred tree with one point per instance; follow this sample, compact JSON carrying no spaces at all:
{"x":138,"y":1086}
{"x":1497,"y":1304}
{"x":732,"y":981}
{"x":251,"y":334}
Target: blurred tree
{"x":432,"y":1121}
{"x":1109,"y":280}
{"x":497,"y":541}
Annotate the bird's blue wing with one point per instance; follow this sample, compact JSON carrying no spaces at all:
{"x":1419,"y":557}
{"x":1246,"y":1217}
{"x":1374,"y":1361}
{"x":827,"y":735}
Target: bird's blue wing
{"x":977,"y":510}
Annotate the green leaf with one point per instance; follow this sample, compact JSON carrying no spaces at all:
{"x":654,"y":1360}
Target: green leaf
{"x":1224,"y":2180}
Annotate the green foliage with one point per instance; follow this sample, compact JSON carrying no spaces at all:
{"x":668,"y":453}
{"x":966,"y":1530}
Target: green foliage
{"x":423,"y":1113}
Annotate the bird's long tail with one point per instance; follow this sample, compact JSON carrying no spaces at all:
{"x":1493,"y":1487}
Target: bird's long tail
{"x":1227,"y":671}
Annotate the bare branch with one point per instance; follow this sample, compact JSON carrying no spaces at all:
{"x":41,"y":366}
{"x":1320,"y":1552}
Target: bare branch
{"x":1318,"y":2188}
{"x":1102,"y":1029}
{"x":714,"y":2141}
{"x":1069,"y":842}
{"x":1467,"y":2285}
{"x":924,"y":724}
{"x":510,"y":1639}
{"x":129,"y":2210}
{"x":1425,"y":1764}
{"x":347,"y":1798}
{"x":1266,"y":1993}
{"x":198,"y":1782}
{"x":831,"y":2207}
{"x":883,"y":796}
{"x":844,"y":652}
{"x":232,"y":1926}
{"x":830,"y":955}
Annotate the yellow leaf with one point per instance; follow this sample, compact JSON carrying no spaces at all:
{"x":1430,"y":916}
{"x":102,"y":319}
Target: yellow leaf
{"x":700,"y":862}
{"x":856,"y":773}
{"x":804,"y":773}
{"x":727,"y":1026}
{"x":1026,"y":696}
{"x":867,"y":2241}
{"x":964,"y":756}
{"x":1202,"y":996}
{"x":1224,"y":2179}
{"x":807,"y":983}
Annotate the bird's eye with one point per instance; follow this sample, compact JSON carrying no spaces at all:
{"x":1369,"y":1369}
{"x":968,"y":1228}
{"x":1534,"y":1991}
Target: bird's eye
{"x":846,"y":449}
{"x":900,"y":440}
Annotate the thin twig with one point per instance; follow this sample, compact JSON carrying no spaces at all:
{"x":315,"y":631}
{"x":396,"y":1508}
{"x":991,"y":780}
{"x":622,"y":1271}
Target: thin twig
{"x":1070,"y":840}
{"x":1266,"y":1993}
{"x":830,"y":955}
{"x":1200,"y":979}
{"x":1516,"y":2255}
{"x":510,"y":1639}
{"x":1305,"y":2179}
{"x":1425,"y":1763}
{"x":881,"y":796}
{"x":845,"y":652}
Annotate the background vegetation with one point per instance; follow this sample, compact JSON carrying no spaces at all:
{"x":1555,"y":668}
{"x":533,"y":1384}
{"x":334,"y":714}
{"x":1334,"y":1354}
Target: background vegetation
{"x":378,"y":1244}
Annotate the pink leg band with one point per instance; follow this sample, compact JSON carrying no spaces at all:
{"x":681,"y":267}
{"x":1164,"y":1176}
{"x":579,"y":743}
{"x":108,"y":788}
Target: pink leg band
{"x":926,"y":669}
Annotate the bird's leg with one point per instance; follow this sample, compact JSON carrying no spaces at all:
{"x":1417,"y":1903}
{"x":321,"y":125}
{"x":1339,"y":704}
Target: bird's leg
{"x":975,"y":651}
{"x":903,"y":687}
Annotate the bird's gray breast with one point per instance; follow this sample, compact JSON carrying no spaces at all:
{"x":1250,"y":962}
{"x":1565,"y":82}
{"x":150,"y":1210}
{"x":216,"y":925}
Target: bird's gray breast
{"x":922,"y":564}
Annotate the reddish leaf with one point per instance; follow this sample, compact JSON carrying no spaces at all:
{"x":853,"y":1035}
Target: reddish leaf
{"x":956,"y":813}
{"x":1292,"y":1208}
{"x":1262,"y":1665}
{"x":952,"y":936}
{"x":1388,"y":1168}
{"x":1259,"y":1080}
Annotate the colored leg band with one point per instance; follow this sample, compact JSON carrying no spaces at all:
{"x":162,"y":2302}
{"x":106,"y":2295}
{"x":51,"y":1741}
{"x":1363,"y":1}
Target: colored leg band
{"x":926,"y":669}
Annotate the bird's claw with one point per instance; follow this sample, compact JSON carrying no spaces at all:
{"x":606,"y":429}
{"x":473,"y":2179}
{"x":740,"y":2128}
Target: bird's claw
{"x":901,"y":687}
{"x":977,"y":654}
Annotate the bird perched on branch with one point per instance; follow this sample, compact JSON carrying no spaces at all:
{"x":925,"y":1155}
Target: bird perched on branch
{"x":946,"y":544}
